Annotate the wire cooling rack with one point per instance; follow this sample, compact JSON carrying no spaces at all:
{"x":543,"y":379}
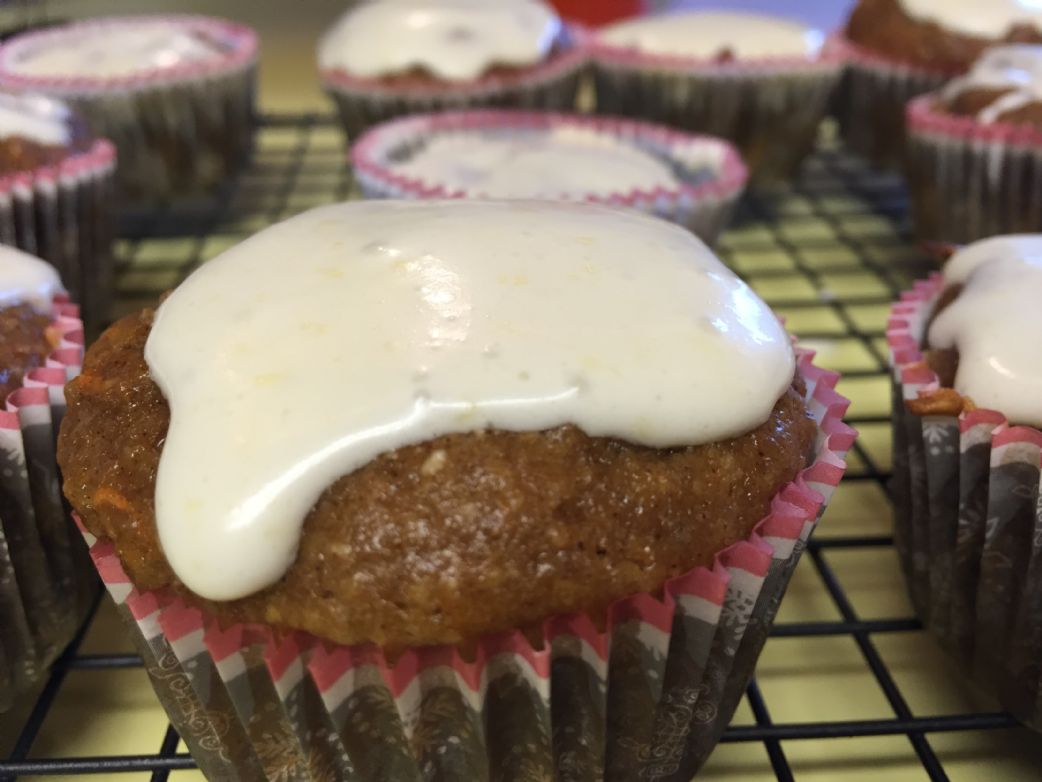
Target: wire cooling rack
{"x":846,"y":662}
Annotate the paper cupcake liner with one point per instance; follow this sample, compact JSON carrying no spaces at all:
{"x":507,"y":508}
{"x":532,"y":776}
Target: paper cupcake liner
{"x":769,"y":108}
{"x":62,"y":213}
{"x":46,"y":579}
{"x":870,"y":102}
{"x":646,"y":699}
{"x":180,"y":131}
{"x":968,"y":525}
{"x":970,"y":180}
{"x":552,"y":85}
{"x":704,"y":206}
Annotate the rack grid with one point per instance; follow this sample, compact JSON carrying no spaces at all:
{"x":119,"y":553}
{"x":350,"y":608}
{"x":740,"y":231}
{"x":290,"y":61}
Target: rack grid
{"x":829,"y":253}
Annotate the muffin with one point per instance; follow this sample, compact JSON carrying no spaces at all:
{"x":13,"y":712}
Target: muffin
{"x":55,"y":189}
{"x":510,"y":475}
{"x":174,"y":93}
{"x":898,"y":49}
{"x":691,"y":180}
{"x":967,"y":445}
{"x":383,"y":60}
{"x":46,"y":582}
{"x":761,"y":82}
{"x":975,"y":149}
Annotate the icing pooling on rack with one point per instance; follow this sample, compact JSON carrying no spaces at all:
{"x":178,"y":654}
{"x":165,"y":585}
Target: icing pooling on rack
{"x":34,"y":117}
{"x":354,"y":329}
{"x":994,"y":324}
{"x":453,"y":40}
{"x":563,"y":162}
{"x":111,"y":50}
{"x":705,"y":33}
{"x":981,"y":18}
{"x":25,"y":279}
{"x":1015,"y":68}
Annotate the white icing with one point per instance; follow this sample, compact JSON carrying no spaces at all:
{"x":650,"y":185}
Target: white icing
{"x":994,"y":324}
{"x":704,"y":34}
{"x":981,"y":18}
{"x":564,"y":162}
{"x":354,"y":329}
{"x":1016,"y":68}
{"x":25,"y":279}
{"x":34,"y":117}
{"x":110,"y":50}
{"x":451,"y":39}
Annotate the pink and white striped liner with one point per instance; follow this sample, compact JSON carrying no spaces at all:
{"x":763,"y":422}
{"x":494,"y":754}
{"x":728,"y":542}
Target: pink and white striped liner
{"x":704,"y":206}
{"x":238,"y":41}
{"x":296,"y":663}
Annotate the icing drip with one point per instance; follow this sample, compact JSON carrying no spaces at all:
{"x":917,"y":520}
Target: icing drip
{"x":981,"y":18}
{"x":34,"y":117}
{"x":994,"y":324}
{"x":1015,"y":68}
{"x":560,"y":163}
{"x":705,"y":34}
{"x":25,"y":279}
{"x":112,"y":50}
{"x":397,"y":322}
{"x":454,"y":40}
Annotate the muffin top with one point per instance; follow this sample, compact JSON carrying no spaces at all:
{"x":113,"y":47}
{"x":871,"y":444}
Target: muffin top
{"x":565,"y":162}
{"x":27,"y":289}
{"x":992,"y":325}
{"x":452,"y":40}
{"x":421,"y":422}
{"x":942,"y":35}
{"x":36,"y":131}
{"x":110,"y":49}
{"x":715,"y":35}
{"x":1005,"y":84}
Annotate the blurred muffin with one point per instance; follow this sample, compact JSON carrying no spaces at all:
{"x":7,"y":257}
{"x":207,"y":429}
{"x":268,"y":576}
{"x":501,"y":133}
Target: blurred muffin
{"x":46,"y":583}
{"x":967,"y":452}
{"x":761,"y":82}
{"x":691,"y":180}
{"x":975,"y":149}
{"x":507,"y":450}
{"x":898,"y":49}
{"x":174,"y":93}
{"x":386,"y":59}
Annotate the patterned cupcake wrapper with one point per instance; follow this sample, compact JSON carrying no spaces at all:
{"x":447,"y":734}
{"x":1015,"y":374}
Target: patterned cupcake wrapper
{"x":870,"y":102}
{"x":180,"y":132}
{"x":553,"y":85}
{"x":62,"y":213}
{"x":647,"y":699}
{"x":969,"y":523}
{"x":770,"y":108}
{"x":702,"y":206}
{"x":970,"y":180}
{"x":46,"y":579}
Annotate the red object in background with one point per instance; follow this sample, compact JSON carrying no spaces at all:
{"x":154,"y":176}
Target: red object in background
{"x":597,"y":12}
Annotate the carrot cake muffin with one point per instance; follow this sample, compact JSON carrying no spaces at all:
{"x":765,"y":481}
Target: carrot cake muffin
{"x":449,"y":421}
{"x":385,"y":59}
{"x":762,"y":82}
{"x":968,"y":450}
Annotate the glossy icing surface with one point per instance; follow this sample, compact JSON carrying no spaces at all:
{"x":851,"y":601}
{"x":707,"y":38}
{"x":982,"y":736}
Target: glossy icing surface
{"x":34,"y":117}
{"x":354,"y":329}
{"x":994,"y":324}
{"x":564,"y":162}
{"x":1017,"y":69}
{"x":981,"y":18}
{"x":112,"y":51}
{"x":25,"y":279}
{"x":706,"y":33}
{"x":455,"y":40}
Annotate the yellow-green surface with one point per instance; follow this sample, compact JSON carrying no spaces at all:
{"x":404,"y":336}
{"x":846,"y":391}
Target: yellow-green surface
{"x":828,"y":257}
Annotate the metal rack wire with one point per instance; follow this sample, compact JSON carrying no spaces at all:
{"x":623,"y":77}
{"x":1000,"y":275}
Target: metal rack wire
{"x":838,"y":239}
